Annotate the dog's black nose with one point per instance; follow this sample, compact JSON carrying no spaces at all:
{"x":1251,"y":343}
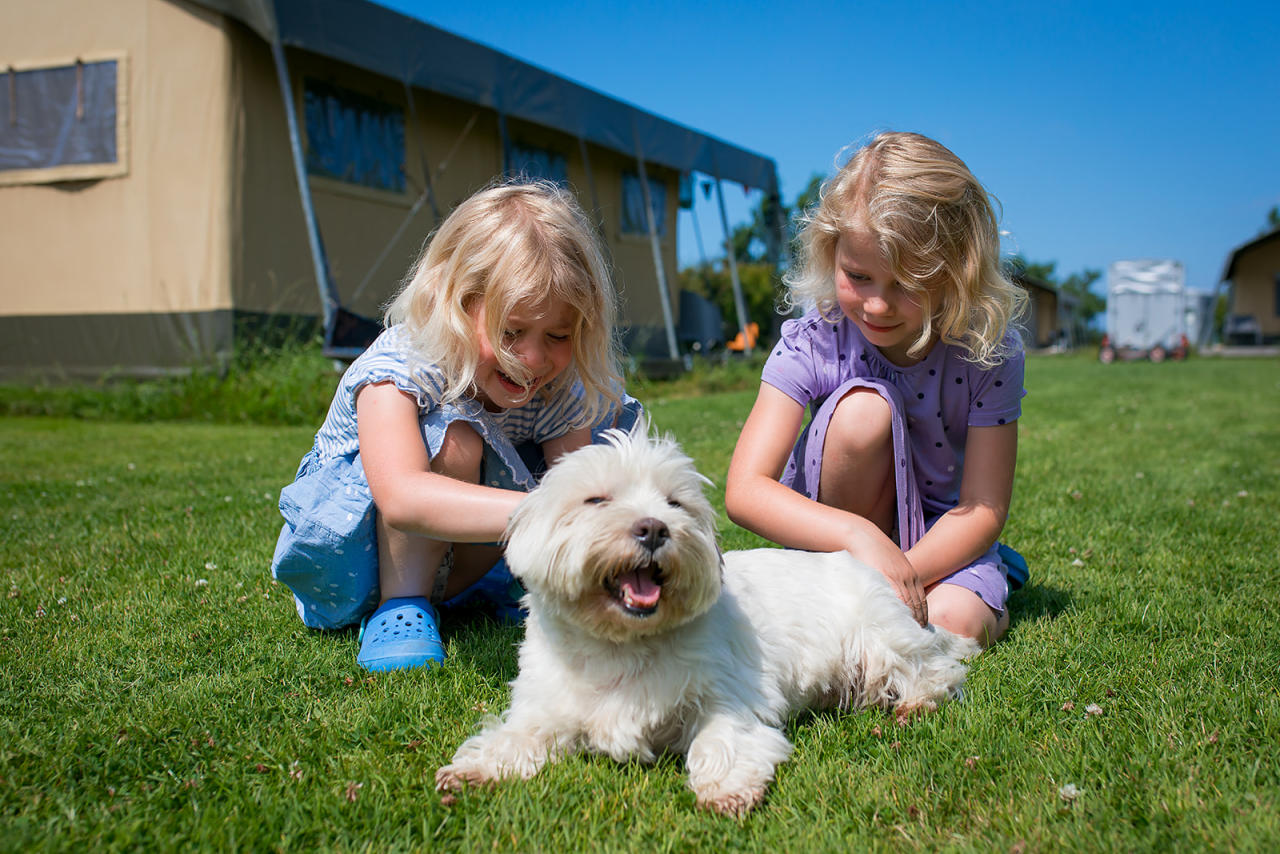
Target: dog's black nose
{"x":651,"y":533}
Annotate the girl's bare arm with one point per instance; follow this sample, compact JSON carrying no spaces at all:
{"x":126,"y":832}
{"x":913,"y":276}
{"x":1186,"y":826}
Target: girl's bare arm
{"x":409,"y":496}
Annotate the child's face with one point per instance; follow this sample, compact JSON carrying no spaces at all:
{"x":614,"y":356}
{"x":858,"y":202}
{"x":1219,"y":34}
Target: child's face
{"x":870,"y":297}
{"x":539,"y":336}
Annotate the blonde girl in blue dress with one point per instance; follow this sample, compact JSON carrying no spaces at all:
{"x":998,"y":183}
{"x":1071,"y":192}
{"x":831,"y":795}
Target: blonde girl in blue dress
{"x":498,"y":357}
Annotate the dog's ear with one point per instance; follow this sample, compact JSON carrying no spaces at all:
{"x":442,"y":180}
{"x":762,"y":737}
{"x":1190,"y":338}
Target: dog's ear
{"x":641,"y":428}
{"x":637,"y":433}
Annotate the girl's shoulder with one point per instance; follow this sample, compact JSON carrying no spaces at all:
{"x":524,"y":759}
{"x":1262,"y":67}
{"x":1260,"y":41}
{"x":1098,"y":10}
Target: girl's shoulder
{"x":391,"y":358}
{"x":814,"y":356}
{"x":812,"y":336}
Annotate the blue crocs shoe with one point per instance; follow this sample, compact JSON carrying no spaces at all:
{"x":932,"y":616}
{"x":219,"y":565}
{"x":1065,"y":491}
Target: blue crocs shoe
{"x":400,"y":634}
{"x":1016,"y":565}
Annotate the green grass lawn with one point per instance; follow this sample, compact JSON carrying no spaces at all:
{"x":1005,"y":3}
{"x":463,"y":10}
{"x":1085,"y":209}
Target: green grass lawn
{"x":158,"y":691}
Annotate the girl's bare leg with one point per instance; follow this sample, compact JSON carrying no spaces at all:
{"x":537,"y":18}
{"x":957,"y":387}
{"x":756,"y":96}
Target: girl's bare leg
{"x":857,"y":459}
{"x":407,"y":563}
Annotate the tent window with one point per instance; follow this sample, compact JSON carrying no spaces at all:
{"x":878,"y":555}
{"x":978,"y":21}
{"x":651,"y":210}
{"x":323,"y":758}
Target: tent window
{"x":353,"y":138}
{"x":529,"y":162}
{"x":633,"y":218}
{"x":61,"y":122}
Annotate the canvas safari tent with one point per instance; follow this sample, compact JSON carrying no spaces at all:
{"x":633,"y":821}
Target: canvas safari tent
{"x":175,"y":172}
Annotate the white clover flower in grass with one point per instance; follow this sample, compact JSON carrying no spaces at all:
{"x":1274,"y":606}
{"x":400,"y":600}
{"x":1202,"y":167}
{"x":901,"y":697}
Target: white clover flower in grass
{"x":1092,"y":709}
{"x":202,"y":582}
{"x":210,"y":565}
{"x":1069,"y":792}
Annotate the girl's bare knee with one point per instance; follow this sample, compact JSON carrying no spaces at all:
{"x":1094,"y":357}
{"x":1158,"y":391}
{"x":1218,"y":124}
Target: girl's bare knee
{"x":862,"y":422}
{"x":857,"y":459}
{"x":962,"y":612}
{"x":461,"y":453}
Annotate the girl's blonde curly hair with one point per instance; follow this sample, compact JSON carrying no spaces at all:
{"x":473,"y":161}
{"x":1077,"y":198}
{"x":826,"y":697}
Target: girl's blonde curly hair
{"x":937,"y":229}
{"x":512,"y":244}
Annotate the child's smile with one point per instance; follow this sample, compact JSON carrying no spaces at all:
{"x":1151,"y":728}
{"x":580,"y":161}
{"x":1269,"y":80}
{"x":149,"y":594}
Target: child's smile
{"x":539,"y":337}
{"x":871,"y":297}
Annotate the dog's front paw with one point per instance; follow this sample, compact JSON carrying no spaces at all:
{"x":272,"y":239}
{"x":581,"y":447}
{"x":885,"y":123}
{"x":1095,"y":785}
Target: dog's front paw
{"x":731,"y":803}
{"x":904,"y":713}
{"x":452,"y":778}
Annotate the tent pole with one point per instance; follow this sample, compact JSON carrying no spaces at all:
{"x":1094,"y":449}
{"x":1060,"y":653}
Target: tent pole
{"x":591,"y":178}
{"x":738,"y":305}
{"x":657,"y":258}
{"x":328,"y":291}
{"x":430,"y":190}
{"x":697,"y":233}
{"x":506,"y":144}
{"x":1208,"y":327}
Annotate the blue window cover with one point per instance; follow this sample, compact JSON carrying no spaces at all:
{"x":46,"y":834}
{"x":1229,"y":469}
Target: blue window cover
{"x":530,"y":162}
{"x":633,"y":218}
{"x":58,"y":116}
{"x":353,"y":138}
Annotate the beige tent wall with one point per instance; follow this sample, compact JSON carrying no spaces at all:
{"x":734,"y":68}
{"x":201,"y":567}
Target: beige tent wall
{"x":270,"y":260}
{"x":461,"y":145}
{"x":637,"y":280}
{"x":630,"y":254}
{"x":273,"y":266}
{"x":1254,"y":285}
{"x":135,"y":265}
{"x":146,"y":272}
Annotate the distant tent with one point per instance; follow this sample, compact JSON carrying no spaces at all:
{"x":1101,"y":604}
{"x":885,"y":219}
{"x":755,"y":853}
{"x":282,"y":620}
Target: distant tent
{"x":1252,"y":279}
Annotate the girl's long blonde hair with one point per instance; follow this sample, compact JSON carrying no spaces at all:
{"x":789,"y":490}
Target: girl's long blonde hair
{"x":512,"y":244}
{"x":937,"y":229}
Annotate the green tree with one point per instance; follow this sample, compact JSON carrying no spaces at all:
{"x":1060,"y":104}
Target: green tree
{"x":757,"y":240}
{"x":759,"y":293}
{"x":755,"y":244}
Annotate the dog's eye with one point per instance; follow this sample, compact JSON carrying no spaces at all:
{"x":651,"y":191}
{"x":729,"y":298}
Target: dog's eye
{"x":596,"y":499}
{"x":676,"y":504}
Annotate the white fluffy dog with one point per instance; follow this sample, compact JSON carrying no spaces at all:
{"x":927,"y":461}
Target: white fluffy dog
{"x":640,"y":639}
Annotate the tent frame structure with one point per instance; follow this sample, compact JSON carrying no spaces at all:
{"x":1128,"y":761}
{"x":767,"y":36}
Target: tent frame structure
{"x":420,"y":55}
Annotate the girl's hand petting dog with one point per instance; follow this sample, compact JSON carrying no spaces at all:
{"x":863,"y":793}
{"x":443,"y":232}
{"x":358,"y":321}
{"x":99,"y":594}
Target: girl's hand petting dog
{"x":877,"y":550}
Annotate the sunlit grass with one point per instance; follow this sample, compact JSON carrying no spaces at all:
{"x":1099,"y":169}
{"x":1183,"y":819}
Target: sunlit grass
{"x":158,"y":691}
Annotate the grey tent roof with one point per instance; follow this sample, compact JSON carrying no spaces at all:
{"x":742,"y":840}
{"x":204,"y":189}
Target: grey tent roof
{"x":384,"y":41}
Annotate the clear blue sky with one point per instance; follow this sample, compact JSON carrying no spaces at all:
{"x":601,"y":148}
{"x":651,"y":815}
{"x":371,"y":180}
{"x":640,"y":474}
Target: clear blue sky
{"x":1108,"y":130}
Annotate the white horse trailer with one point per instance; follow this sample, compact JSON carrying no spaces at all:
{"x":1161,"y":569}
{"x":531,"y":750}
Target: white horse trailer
{"x":1146,"y":304}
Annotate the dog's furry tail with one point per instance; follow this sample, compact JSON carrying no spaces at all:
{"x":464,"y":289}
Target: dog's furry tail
{"x":916,"y":678}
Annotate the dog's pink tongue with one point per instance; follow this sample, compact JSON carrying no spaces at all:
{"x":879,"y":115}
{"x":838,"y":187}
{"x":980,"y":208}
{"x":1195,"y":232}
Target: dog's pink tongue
{"x":639,"y":588}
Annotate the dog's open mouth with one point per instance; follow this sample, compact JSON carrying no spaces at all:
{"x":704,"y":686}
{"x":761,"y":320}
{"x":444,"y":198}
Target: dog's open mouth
{"x":638,"y":590}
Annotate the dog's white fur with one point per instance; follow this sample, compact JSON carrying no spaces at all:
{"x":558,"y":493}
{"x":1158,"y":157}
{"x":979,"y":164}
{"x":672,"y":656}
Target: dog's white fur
{"x":716,"y":665}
